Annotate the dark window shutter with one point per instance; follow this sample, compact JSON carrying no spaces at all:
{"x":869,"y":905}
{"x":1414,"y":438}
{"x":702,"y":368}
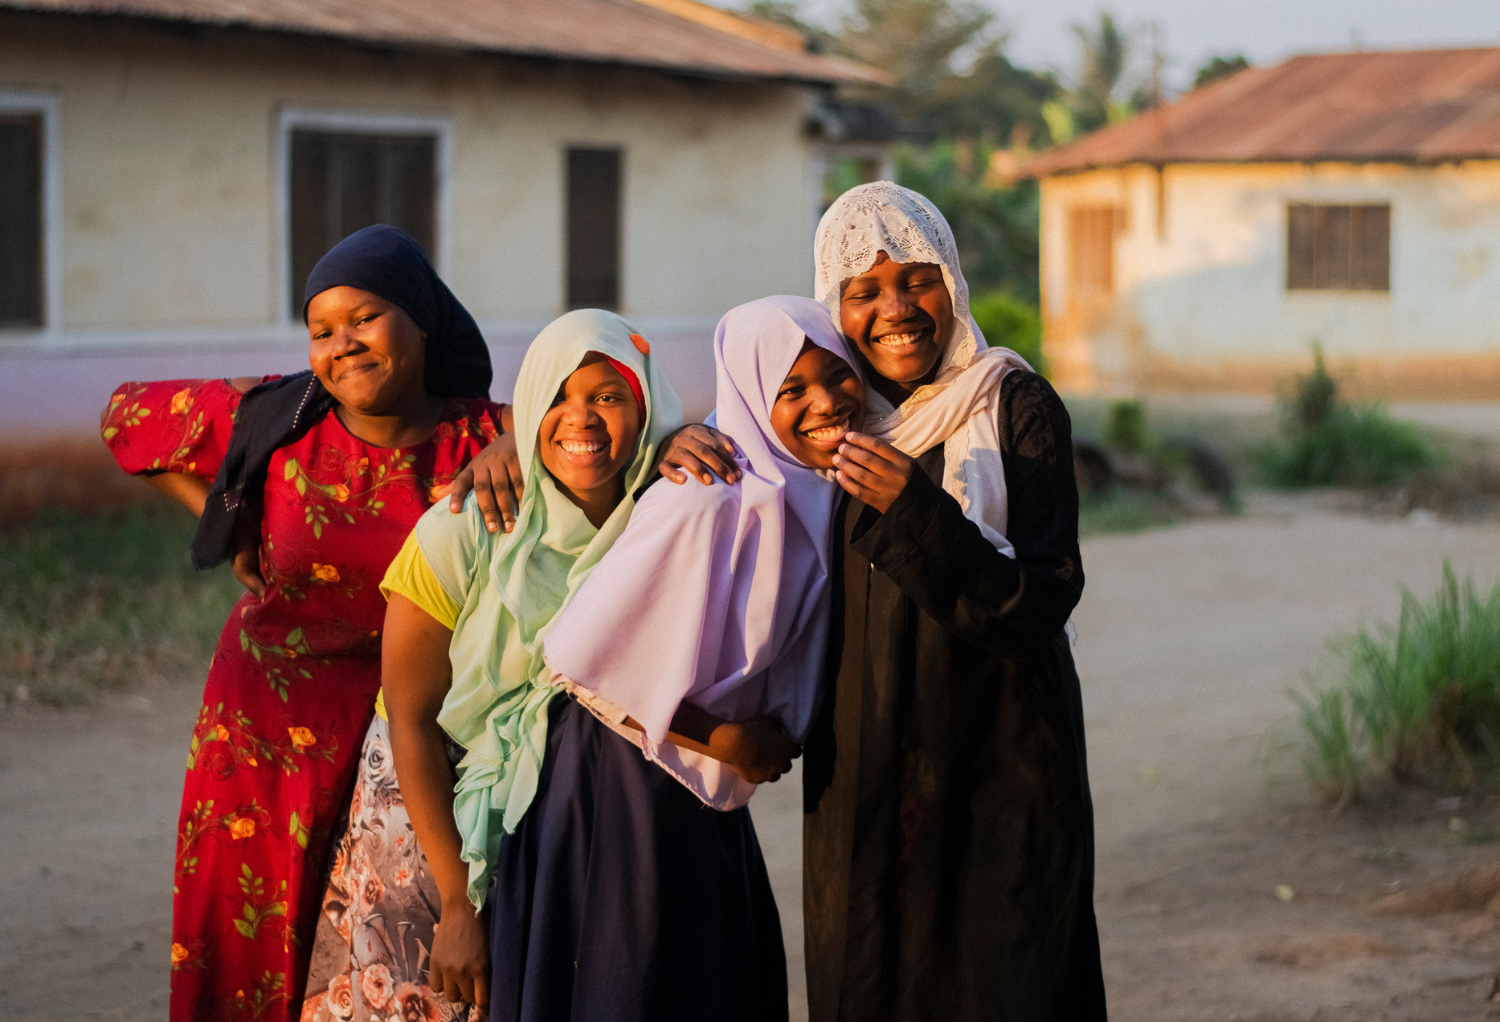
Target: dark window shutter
{"x":21,"y":289}
{"x":1338,"y":248}
{"x":593,"y":228}
{"x":1370,"y":264}
{"x":341,"y":182}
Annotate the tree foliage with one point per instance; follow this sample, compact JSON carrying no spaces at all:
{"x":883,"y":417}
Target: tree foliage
{"x":1219,"y":67}
{"x":913,"y":40}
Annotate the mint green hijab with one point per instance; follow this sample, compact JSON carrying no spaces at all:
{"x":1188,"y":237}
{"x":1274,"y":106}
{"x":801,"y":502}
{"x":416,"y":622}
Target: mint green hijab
{"x":512,"y":585}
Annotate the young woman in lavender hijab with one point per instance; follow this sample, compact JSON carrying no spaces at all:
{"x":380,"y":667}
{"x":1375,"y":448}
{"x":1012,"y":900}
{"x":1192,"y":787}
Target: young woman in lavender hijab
{"x":616,"y":893}
{"x":711,"y":608}
{"x":948,"y":837}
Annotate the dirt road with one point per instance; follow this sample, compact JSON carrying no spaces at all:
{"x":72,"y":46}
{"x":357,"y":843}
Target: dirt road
{"x":1187,"y":639}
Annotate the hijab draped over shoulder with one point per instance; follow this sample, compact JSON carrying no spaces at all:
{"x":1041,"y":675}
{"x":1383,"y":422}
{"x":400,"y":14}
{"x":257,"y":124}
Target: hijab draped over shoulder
{"x":958,"y":409}
{"x":384,"y":261}
{"x":719,"y":594}
{"x":512,"y":585}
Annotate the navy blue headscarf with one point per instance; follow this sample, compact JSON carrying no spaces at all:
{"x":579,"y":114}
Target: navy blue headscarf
{"x":384,"y":261}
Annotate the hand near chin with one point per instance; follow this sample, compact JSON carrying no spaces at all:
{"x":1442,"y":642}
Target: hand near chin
{"x":872,"y":470}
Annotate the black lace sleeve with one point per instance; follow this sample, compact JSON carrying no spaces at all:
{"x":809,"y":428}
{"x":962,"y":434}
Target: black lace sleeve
{"x":942,"y":562}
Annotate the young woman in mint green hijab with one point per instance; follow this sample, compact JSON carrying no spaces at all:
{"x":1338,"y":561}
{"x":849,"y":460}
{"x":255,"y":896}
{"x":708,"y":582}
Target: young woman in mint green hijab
{"x":469,"y":610}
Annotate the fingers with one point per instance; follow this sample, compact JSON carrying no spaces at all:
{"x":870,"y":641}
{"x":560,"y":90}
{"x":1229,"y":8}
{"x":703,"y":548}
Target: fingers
{"x":870,"y":450}
{"x":481,"y":993}
{"x":859,"y":474}
{"x":510,"y":496}
{"x":711,"y":437}
{"x":247,"y":572}
{"x":701,"y":452}
{"x":857,"y":490}
{"x":459,"y":489}
{"x":495,"y":500}
{"x":689,"y":462}
{"x":484,"y":499}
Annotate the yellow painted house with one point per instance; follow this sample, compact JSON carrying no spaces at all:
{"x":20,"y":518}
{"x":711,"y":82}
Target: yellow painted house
{"x":1350,"y":200}
{"x":171,"y":169}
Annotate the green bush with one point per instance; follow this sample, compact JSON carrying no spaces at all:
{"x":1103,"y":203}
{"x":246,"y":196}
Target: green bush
{"x":1125,"y":430}
{"x":1325,"y":442}
{"x":1008,"y":322}
{"x":91,"y":603}
{"x":1124,"y":511}
{"x":1418,"y":701}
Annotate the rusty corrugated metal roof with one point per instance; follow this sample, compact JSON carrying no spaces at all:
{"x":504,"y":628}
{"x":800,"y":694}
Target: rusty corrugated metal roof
{"x":1415,"y":106}
{"x":661,"y":34}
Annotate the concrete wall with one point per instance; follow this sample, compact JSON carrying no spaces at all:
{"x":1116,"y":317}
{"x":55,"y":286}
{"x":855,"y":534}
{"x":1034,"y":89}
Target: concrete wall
{"x":171,"y":234}
{"x":1200,"y":299}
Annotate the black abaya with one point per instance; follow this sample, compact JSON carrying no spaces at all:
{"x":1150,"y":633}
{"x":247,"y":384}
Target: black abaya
{"x":949,"y":853}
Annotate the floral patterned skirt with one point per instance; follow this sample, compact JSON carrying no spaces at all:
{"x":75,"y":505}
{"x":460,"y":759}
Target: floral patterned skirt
{"x":369,"y":960}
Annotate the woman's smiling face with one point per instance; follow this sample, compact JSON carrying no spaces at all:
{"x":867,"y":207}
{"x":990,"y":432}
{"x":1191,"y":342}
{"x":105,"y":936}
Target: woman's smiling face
{"x":820,"y":400}
{"x":366,"y":351}
{"x":587,"y":438}
{"x":900,"y":317}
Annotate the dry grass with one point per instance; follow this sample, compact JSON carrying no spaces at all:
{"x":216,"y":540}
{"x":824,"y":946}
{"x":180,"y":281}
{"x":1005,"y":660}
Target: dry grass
{"x":78,"y":477}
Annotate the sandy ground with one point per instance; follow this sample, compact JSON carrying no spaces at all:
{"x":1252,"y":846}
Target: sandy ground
{"x":1187,"y":640}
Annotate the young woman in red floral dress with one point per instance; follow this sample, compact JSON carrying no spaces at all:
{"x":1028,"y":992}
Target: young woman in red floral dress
{"x":336,"y":467}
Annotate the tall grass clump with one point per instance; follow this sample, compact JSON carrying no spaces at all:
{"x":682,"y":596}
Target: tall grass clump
{"x":1326,"y":442}
{"x":89,"y":603}
{"x":1417,"y":702}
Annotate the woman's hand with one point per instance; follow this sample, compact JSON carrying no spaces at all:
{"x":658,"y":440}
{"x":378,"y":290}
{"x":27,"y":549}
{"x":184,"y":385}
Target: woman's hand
{"x":755,"y":749}
{"x":494,"y":477}
{"x":459,"y":968}
{"x":872,"y":470}
{"x":244,"y":553}
{"x":700,"y":451}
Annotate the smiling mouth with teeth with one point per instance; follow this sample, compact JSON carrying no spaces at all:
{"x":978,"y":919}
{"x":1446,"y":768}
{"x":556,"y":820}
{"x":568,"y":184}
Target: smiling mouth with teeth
{"x":898,"y":340}
{"x":583,"y":446}
{"x":832,"y":432}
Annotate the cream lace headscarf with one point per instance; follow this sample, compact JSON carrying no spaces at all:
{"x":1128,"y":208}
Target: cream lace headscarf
{"x":958,"y":408}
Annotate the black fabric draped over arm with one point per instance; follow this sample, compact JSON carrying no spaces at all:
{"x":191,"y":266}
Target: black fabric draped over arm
{"x":945,"y":565}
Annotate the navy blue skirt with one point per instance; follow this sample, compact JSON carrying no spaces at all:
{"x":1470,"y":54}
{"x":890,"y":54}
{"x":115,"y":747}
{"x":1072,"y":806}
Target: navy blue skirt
{"x":622,"y":897}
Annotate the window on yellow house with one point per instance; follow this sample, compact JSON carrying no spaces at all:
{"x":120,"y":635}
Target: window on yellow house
{"x":21,"y":256}
{"x":341,"y":182}
{"x":1338,"y":248}
{"x":1091,"y":251}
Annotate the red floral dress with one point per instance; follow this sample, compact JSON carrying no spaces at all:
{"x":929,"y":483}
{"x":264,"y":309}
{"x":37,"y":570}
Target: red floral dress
{"x":292,"y":685}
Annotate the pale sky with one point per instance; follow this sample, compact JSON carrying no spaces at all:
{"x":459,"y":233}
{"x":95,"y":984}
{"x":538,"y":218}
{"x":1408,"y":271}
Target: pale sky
{"x":1264,"y":30}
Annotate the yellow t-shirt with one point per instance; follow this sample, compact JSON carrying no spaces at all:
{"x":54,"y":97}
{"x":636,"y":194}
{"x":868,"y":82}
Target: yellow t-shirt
{"x":412,"y":577}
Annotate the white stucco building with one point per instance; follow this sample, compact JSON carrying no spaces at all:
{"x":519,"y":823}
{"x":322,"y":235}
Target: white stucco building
{"x":170,"y":169}
{"x":1351,"y":200}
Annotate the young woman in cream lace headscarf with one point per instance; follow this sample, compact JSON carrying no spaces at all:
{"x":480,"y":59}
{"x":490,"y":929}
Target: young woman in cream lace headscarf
{"x":948,"y":839}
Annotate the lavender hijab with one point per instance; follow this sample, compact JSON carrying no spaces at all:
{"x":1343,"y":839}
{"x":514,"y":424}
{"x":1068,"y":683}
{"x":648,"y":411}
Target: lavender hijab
{"x":717,"y":595}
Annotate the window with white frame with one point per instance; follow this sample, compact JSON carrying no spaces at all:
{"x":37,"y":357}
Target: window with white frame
{"x":27,"y":200}
{"x":344,"y":174}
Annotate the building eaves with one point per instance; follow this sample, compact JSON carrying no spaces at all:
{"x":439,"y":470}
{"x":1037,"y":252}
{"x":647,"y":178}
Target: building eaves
{"x":666,"y":35}
{"x":1414,"y":106}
